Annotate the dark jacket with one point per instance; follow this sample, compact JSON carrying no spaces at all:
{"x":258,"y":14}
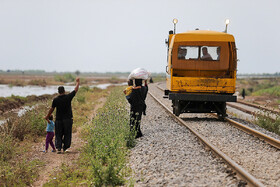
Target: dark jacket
{"x":137,"y":99}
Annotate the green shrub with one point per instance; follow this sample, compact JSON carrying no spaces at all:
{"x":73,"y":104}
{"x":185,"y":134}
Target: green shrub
{"x":37,"y":82}
{"x":67,"y":77}
{"x":14,"y":172}
{"x":265,"y":121}
{"x":21,"y":173}
{"x":37,"y":122}
{"x":21,"y":128}
{"x":84,"y":89}
{"x":273,"y":91}
{"x":80,"y":97}
{"x":103,"y":161}
{"x":7,"y":146}
{"x":31,"y":124}
{"x":159,"y":78}
{"x":114,"y":80}
{"x":71,"y":175}
{"x":107,"y":146}
{"x":17,"y":83}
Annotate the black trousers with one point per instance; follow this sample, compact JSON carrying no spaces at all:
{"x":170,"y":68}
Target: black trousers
{"x":135,"y":120}
{"x":63,"y":133}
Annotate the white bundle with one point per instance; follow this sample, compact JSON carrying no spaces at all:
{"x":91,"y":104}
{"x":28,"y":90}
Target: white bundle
{"x":139,"y":73}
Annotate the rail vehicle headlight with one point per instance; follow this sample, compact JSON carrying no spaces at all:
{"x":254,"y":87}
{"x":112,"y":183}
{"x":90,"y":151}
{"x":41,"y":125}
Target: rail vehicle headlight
{"x":175,"y":21}
{"x":226,"y":22}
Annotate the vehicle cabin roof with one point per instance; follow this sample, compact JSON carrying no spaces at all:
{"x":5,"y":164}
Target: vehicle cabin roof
{"x":203,"y":35}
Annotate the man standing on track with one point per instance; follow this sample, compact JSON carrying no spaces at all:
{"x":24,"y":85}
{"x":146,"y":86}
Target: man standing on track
{"x":64,"y":117}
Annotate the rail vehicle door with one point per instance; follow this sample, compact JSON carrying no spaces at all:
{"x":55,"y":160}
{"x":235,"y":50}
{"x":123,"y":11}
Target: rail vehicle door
{"x":169,"y":59}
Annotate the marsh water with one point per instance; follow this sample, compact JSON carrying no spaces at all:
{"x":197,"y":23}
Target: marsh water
{"x":7,"y":91}
{"x":23,"y":91}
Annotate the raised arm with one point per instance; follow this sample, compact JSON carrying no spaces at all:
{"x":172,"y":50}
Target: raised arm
{"x":77,"y":84}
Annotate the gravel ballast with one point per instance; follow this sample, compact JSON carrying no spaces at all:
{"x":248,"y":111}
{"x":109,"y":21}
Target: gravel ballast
{"x":170,"y":155}
{"x":257,"y":157}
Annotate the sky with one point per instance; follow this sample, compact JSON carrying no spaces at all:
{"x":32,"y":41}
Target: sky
{"x":121,"y":35}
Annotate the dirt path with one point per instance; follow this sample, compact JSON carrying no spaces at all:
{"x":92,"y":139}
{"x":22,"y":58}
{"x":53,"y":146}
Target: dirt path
{"x":53,"y":160}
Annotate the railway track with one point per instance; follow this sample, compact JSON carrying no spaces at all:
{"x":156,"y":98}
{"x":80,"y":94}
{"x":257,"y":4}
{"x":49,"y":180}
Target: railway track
{"x":270,"y":140}
{"x":205,"y":135}
{"x":254,"y":110}
{"x":259,"y":107}
{"x":170,"y":155}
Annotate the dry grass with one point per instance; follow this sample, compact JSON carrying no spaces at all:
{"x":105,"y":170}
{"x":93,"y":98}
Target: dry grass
{"x":260,"y":91}
{"x":18,"y":168}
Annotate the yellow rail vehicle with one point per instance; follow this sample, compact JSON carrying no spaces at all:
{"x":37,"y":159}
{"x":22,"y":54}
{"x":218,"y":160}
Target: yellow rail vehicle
{"x":201,"y":71}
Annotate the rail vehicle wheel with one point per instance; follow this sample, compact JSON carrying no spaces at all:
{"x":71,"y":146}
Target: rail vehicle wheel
{"x":222,"y":112}
{"x":221,"y":117}
{"x":176,"y":108}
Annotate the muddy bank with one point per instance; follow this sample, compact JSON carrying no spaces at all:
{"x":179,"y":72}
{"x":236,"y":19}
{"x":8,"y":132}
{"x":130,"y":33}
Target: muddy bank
{"x":9,"y":103}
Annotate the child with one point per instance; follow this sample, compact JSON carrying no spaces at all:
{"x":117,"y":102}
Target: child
{"x":128,"y":90}
{"x":50,"y":134}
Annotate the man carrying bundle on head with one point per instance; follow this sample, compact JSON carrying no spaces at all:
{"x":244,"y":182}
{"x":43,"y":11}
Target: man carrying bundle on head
{"x":137,"y":99}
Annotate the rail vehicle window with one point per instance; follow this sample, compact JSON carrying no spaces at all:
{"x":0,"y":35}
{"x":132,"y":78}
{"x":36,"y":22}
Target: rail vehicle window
{"x":188,"y":52}
{"x":210,"y":53}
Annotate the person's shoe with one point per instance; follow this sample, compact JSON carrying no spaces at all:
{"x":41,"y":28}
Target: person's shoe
{"x":65,"y":151}
{"x":45,"y":151}
{"x":139,"y":135}
{"x":53,"y":150}
{"x":59,"y":152}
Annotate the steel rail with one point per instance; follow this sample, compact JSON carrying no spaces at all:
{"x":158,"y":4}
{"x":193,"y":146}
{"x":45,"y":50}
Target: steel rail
{"x":251,"y":180}
{"x":259,"y":107}
{"x":159,"y":88}
{"x":270,"y":140}
{"x":251,"y":112}
{"x":242,"y":109}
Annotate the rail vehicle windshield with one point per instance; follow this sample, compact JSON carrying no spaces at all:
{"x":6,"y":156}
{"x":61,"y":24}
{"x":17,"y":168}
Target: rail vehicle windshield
{"x":207,"y":53}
